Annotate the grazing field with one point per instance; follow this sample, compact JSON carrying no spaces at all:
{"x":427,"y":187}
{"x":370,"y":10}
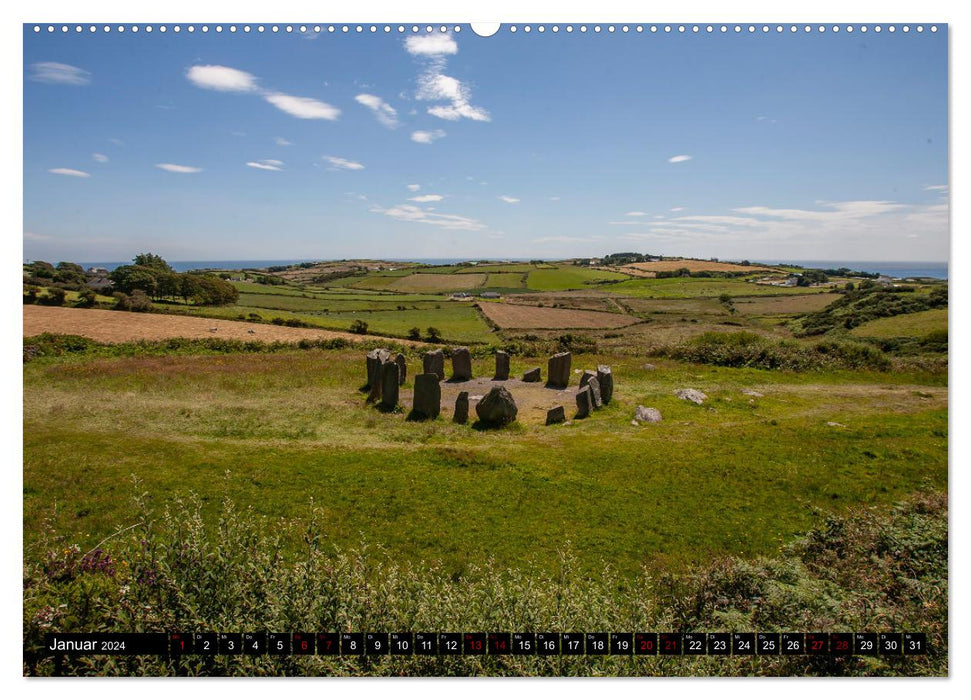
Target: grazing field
{"x":505,"y":280}
{"x":689,"y":287}
{"x":792,"y":304}
{"x":913,"y":325}
{"x":424,"y":282}
{"x":458,"y":322}
{"x":568,"y":277}
{"x":522,"y":316}
{"x":275,"y":431}
{"x":124,"y":326}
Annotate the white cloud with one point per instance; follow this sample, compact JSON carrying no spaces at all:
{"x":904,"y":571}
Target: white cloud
{"x":413,"y":188}
{"x":507,"y":199}
{"x":409,"y":212}
{"x":100,"y":157}
{"x":838,"y":210}
{"x":302,"y":107}
{"x":31,"y":236}
{"x":385,"y":113}
{"x":552,"y":199}
{"x":267,"y":164}
{"x":342,"y":163}
{"x":280,"y":141}
{"x":678,"y":159}
{"x":71,"y":172}
{"x":173,"y":168}
{"x":221,"y":78}
{"x":427,"y":136}
{"x":59,"y":73}
{"x":636,"y":213}
{"x":431,"y":45}
{"x":427,"y":198}
{"x":567,"y":239}
{"x":117,"y":142}
{"x":935,"y":188}
{"x":677,"y":208}
{"x":629,"y":223}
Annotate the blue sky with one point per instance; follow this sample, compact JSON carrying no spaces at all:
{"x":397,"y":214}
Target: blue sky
{"x":262,"y":146}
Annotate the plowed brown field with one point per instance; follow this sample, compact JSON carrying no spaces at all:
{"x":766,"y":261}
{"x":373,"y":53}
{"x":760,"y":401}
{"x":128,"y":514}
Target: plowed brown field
{"x":522,"y":316}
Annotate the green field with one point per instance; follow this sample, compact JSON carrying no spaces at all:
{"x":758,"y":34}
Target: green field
{"x":689,"y":287}
{"x":915,"y":325}
{"x":565,"y":277}
{"x":734,"y":477}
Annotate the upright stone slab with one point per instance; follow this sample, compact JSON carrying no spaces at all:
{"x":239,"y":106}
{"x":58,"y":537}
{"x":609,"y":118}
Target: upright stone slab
{"x":558,"y":369}
{"x":461,"y":364}
{"x":606,"y":379}
{"x":434,"y":363}
{"x":584,"y":402}
{"x":497,"y":408}
{"x":533,"y":375}
{"x":502,"y":366}
{"x":555,"y":415}
{"x":461,"y":414}
{"x":590,"y":379}
{"x":427,"y":402}
{"x":375,"y":360}
{"x":389,"y":385}
{"x":402,"y":368}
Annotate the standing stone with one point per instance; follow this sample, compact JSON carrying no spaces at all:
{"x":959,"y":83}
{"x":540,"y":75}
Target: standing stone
{"x":558,"y":369}
{"x":502,"y":366}
{"x":497,"y":408}
{"x":555,"y":415}
{"x":402,"y":368}
{"x":461,"y":364}
{"x":533,"y":375}
{"x":589,"y":379}
{"x":434,"y":363}
{"x":584,"y":402}
{"x":375,"y":359}
{"x":427,"y":402}
{"x":461,"y":414}
{"x":389,"y":385}
{"x":606,"y":379}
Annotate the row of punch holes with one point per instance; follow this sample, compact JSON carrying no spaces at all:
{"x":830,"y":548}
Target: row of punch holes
{"x":540,"y":29}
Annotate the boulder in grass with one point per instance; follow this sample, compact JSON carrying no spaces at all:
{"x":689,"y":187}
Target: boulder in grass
{"x":389,"y":385}
{"x":533,"y":375}
{"x":692,"y":395}
{"x":402,"y":368}
{"x":502,"y":366}
{"x":461,"y":364}
{"x":606,"y":379}
{"x":497,"y":408}
{"x":434,"y":363}
{"x":427,"y":401}
{"x":646,"y":415}
{"x":555,"y":415}
{"x":584,"y":402}
{"x":558,"y":369}
{"x":461,"y":413}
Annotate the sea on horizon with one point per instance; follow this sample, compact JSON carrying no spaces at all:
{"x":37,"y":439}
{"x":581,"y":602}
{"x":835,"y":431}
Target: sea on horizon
{"x":936,"y":270}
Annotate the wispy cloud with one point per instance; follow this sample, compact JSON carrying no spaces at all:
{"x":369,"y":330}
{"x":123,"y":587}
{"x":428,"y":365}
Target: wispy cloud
{"x":554,"y":199}
{"x":411,"y":213}
{"x":507,"y":199}
{"x":567,"y":239}
{"x":222,"y":78}
{"x":280,"y":141}
{"x":427,"y":198}
{"x":431,"y":45}
{"x":100,"y":157}
{"x":302,"y":107}
{"x":31,"y":236}
{"x":678,"y":159}
{"x":677,"y":208}
{"x":342,"y":163}
{"x":117,"y":142}
{"x":935,"y":188}
{"x":636,"y":213}
{"x":427,"y":136}
{"x":266,"y":164}
{"x":413,"y":188}
{"x":385,"y":113}
{"x":59,"y":73}
{"x":70,"y":172}
{"x":174,"y":168}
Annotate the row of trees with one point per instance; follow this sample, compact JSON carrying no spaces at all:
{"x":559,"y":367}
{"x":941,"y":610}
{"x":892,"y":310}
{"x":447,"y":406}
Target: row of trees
{"x":154,"y":277}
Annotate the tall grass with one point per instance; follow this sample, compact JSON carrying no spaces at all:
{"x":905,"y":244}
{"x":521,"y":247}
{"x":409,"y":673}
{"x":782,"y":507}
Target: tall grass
{"x":869,"y":571}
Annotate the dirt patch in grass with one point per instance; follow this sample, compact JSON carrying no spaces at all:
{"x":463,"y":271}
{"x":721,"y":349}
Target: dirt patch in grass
{"x":523,"y":316}
{"x":124,"y":326}
{"x":533,"y":399}
{"x":437,"y":283}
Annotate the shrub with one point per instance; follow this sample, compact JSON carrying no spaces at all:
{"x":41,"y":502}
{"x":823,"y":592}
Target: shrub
{"x":433,"y":335}
{"x":414,"y":333}
{"x":358,"y":326}
{"x":86,"y":298}
{"x":55,"y":297}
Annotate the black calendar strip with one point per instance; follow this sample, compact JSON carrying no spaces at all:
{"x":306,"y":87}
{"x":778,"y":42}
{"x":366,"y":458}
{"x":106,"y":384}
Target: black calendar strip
{"x":490,"y":643}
